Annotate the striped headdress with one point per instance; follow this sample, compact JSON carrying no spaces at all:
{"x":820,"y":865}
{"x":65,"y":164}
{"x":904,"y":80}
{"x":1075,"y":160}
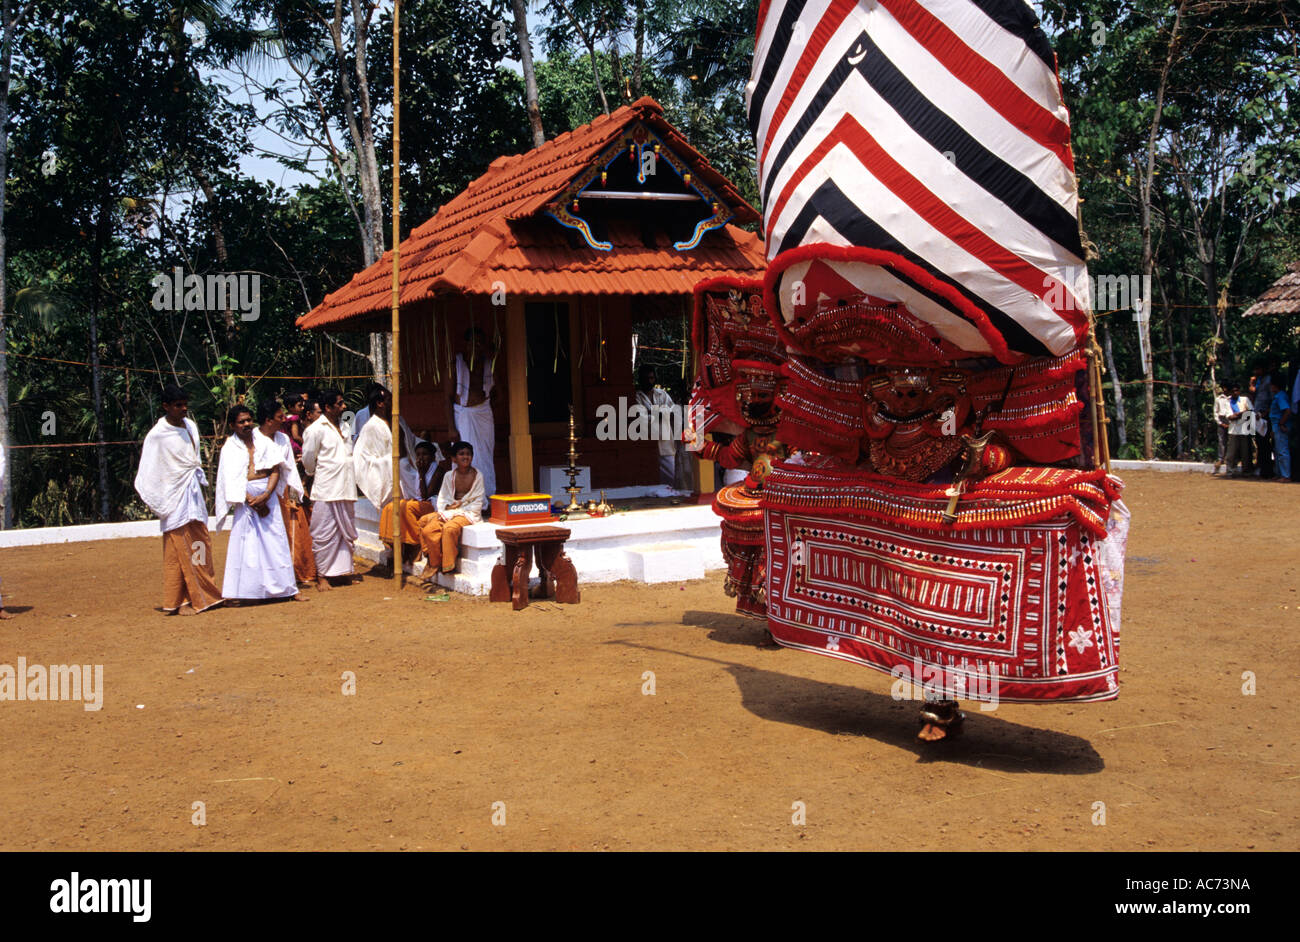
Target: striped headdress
{"x":914,"y":156}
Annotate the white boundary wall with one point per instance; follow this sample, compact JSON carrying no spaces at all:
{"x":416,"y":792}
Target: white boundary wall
{"x":1203,"y":466}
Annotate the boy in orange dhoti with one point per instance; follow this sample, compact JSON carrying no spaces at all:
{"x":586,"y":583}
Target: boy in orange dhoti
{"x":419,"y":481}
{"x":460,"y":504}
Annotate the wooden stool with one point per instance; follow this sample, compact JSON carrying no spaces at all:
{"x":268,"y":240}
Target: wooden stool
{"x":510,"y":577}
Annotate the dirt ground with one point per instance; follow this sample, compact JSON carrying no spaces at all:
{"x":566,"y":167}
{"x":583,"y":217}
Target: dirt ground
{"x":465,"y":711}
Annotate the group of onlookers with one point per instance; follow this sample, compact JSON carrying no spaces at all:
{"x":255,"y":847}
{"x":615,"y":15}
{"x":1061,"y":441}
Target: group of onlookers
{"x":1256,"y":425}
{"x":287,"y":482}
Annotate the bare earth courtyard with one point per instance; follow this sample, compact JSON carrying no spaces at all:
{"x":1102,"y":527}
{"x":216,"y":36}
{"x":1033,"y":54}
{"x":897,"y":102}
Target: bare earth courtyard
{"x":465,"y":710}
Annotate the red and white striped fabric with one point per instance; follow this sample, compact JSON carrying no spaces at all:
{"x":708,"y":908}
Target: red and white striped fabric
{"x":919,"y":150}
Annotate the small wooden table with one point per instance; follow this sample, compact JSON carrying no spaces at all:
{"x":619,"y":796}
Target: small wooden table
{"x":510,"y":576}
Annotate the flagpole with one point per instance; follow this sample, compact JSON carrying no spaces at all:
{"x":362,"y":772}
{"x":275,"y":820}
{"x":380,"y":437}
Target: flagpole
{"x":395,"y":361}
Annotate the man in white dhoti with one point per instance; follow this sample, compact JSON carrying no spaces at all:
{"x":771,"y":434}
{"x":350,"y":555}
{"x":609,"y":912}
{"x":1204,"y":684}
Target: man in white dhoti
{"x":658,"y":406}
{"x":327,"y":454}
{"x":170,"y":481}
{"x":250,"y":477}
{"x":471,"y":405}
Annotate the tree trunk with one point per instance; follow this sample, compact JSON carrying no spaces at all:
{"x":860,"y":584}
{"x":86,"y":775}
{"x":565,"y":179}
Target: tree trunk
{"x":530,"y":77}
{"x":1193,"y":427}
{"x":9,"y":23}
{"x":616,"y":63}
{"x":638,"y":67}
{"x":96,"y":377}
{"x":1121,"y":430}
{"x":1179,"y":448}
{"x":1148,"y":257}
{"x":591,"y":52}
{"x":6,"y":64}
{"x":219,"y":241}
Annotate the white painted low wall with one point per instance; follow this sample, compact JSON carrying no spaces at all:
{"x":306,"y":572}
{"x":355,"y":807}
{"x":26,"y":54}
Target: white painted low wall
{"x":598,"y":546}
{"x":1194,"y":466}
{"x":47,"y":536}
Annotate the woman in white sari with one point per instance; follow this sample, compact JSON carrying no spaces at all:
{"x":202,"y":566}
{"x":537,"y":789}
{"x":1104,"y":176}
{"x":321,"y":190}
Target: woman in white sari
{"x":250,"y":476}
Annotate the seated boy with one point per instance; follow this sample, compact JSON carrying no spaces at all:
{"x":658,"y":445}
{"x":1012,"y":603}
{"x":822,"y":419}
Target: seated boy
{"x":460,"y":504}
{"x":419,"y":481}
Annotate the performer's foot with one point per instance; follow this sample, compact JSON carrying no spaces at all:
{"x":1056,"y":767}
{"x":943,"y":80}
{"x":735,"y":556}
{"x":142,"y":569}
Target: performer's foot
{"x":299,"y":597}
{"x":186,"y":609}
{"x":5,"y":616}
{"x":768,"y":641}
{"x":940,"y":720}
{"x":323,"y":584}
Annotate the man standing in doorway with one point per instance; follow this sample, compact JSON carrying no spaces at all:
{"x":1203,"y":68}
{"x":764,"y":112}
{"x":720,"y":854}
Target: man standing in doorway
{"x":658,"y":407}
{"x":327,"y":454}
{"x":471,"y":401}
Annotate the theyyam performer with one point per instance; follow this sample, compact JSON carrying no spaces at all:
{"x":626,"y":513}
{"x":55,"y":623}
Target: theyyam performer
{"x":946,"y":512}
{"x":170,"y":481}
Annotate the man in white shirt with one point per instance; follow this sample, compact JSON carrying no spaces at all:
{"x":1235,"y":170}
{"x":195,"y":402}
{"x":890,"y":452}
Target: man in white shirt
{"x":1240,"y":415}
{"x":170,"y":481}
{"x":327,"y":454}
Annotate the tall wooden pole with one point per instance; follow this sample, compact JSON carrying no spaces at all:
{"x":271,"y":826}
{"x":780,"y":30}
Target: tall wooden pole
{"x":395,"y":367}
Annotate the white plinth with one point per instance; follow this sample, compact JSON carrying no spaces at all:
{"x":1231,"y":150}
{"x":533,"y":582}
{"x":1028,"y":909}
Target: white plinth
{"x":596,"y":545}
{"x":664,"y":562}
{"x":553,"y":479}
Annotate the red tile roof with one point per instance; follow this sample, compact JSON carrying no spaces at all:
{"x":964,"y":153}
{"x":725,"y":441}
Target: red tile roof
{"x":488,"y":233}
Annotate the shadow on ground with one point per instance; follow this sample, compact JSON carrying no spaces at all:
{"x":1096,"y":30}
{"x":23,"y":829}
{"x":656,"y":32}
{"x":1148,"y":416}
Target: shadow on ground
{"x":839,"y":709}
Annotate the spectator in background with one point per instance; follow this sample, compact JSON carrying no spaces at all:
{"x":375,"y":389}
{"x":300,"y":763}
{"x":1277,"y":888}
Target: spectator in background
{"x":1222,"y":413}
{"x":1295,"y":426}
{"x":363,"y":416}
{"x":1279,"y":418}
{"x":1241,"y":431}
{"x":656,"y":402}
{"x":1263,"y":391}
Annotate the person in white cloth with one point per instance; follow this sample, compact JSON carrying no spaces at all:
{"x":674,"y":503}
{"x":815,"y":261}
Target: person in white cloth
{"x":460,"y":505}
{"x":420,"y":481}
{"x":250,"y":477}
{"x":658,"y":406}
{"x":471,"y":404}
{"x":327,"y":454}
{"x":170,"y":481}
{"x":372,"y":455}
{"x":4,"y":616}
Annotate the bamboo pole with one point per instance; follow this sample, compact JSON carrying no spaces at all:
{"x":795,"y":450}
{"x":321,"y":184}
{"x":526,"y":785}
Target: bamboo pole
{"x":395,"y":361}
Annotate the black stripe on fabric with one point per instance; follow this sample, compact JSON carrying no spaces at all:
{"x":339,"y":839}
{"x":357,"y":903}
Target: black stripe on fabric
{"x":1019,"y":19}
{"x":830,"y":203}
{"x":771,"y":65}
{"x":839,"y":75}
{"x":980,"y":165}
